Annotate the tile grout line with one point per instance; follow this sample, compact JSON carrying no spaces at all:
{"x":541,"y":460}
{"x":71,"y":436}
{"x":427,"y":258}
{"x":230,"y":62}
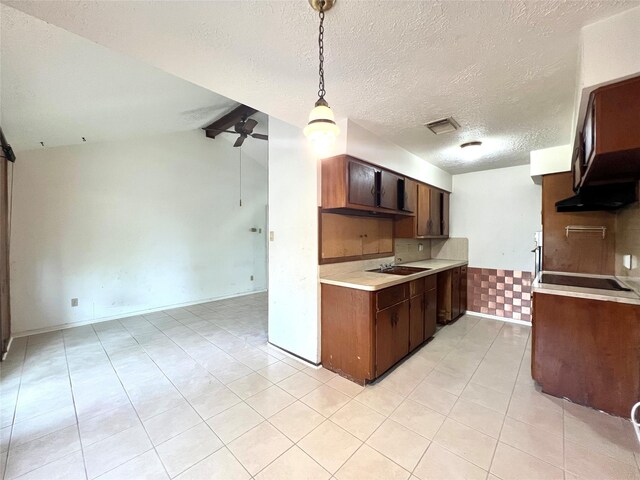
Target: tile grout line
{"x":15,"y":408}
{"x":75,"y":410}
{"x":134,"y":409}
{"x":513,"y":389}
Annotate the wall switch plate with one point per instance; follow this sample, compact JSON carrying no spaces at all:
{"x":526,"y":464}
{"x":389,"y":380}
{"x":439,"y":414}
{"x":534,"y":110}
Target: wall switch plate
{"x":252,"y":278}
{"x":74,"y":302}
{"x":420,"y":247}
{"x":271,"y":236}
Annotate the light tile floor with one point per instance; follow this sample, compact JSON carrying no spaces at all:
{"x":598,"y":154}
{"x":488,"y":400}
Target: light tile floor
{"x":197,"y":393}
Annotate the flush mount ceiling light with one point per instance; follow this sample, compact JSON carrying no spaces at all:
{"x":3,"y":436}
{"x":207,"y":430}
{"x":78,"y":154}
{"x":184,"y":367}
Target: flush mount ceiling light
{"x":321,"y":129}
{"x":471,"y":150}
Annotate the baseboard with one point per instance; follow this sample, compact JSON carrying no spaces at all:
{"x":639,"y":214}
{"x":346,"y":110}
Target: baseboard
{"x":64,"y":326}
{"x":297,"y":357}
{"x":501,"y":319}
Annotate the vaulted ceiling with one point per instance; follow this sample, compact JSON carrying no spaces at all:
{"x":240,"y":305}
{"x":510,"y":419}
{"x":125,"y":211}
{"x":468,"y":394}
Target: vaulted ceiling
{"x":505,"y":70}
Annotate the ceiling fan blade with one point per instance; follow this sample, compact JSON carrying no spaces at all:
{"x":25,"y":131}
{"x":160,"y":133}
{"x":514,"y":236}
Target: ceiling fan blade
{"x":216,"y":130}
{"x":260,"y":136}
{"x":249,"y":125}
{"x":239,"y":141}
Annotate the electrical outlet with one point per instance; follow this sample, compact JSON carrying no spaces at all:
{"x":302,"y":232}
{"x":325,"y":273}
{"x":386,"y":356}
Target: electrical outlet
{"x":420,"y":247}
{"x":74,"y":302}
{"x":252,"y":278}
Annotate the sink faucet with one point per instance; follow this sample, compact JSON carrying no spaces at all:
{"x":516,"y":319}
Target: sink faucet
{"x":386,"y":266}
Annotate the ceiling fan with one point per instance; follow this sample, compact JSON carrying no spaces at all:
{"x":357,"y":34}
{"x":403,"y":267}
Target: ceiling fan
{"x":244,"y":128}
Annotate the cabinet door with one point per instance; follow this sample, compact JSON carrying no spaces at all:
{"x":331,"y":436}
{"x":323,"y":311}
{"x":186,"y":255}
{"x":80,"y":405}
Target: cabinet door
{"x":416,"y":321}
{"x":463,"y":290}
{"x":445,"y":214}
{"x":424,"y":210}
{"x":435,"y":215}
{"x":362,"y":184}
{"x":455,"y":293}
{"x":410,"y":195}
{"x":430,"y":312}
{"x":392,"y":336}
{"x":341,"y":236}
{"x":389,"y":190}
{"x":385,"y":235}
{"x":370,"y":235}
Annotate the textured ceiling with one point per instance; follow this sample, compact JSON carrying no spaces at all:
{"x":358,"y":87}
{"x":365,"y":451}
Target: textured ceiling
{"x":504,"y":69}
{"x":58,"y":87}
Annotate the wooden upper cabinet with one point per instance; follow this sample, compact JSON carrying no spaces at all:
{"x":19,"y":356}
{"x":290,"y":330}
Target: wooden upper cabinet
{"x":410,"y":192}
{"x":432,"y":215}
{"x":423,"y":216}
{"x":348,"y":237}
{"x":388,"y":190}
{"x":354,"y":185}
{"x":362,"y":184}
{"x":609,"y":148}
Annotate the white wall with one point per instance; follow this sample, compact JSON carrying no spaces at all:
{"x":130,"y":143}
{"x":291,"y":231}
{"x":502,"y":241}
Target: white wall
{"x":498,"y":211}
{"x":134,"y":225}
{"x":294,"y":322}
{"x":363,"y":144}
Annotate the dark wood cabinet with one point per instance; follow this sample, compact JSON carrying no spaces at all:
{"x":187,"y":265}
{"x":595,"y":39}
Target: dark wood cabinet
{"x":388,"y":191}
{"x":409,"y":194}
{"x":365,"y":333}
{"x":430,"y":306}
{"x":432,"y":215}
{"x":416,"y":313}
{"x":451,"y":299}
{"x":354,"y":186}
{"x":608,"y":149}
{"x":362,"y":184}
{"x":392,"y":336}
{"x":586,"y":350}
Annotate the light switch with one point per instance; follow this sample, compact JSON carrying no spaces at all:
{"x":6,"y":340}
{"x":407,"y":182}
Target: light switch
{"x":271,"y":236}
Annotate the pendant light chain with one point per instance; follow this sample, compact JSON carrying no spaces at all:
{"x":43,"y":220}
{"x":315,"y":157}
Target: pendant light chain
{"x":321,"y":91}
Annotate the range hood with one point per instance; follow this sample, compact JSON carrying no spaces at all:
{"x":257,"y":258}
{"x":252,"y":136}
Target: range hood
{"x":599,"y":198}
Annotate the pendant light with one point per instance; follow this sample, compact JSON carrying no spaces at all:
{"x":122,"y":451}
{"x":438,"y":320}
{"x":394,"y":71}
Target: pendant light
{"x":321,"y":129}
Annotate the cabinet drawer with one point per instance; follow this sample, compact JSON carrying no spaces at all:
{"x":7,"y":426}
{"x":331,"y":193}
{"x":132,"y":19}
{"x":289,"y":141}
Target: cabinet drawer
{"x":430,"y":282}
{"x":416,"y":287}
{"x":390,"y":296}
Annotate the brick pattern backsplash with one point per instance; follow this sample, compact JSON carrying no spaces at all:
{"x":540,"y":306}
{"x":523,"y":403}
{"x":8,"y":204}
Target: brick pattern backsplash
{"x":503,"y":293}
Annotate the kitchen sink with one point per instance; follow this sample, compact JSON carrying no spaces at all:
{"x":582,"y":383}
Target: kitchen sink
{"x":399,"y":270}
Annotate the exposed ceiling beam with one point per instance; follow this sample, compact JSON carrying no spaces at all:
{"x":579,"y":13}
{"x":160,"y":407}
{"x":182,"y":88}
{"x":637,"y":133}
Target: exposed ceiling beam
{"x":228,"y":121}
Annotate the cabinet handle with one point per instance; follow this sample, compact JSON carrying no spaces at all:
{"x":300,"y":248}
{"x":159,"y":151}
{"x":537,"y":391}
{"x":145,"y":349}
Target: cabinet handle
{"x":383,"y":192}
{"x":373,"y":191}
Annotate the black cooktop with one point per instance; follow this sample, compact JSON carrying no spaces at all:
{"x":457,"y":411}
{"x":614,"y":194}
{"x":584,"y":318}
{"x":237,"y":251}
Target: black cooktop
{"x":585,"y":282}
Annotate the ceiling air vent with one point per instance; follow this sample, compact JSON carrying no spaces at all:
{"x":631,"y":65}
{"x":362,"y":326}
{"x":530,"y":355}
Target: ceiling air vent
{"x":444,"y":125}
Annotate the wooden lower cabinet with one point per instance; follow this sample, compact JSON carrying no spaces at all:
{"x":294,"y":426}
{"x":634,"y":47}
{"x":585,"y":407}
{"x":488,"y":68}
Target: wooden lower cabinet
{"x":392,"y":336}
{"x":587,"y":350}
{"x":430,"y":306}
{"x":452,"y":294}
{"x":366,"y":333}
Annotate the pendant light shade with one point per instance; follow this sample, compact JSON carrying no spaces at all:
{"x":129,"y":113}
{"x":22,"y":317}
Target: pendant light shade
{"x":321,"y":129}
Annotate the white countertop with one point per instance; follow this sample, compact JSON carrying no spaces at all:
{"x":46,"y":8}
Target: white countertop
{"x":632,"y":297}
{"x":372,"y":281}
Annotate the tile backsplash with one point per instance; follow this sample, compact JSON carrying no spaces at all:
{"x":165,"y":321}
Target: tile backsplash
{"x":412,"y":250}
{"x":450,"y":249}
{"x":628,"y":240}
